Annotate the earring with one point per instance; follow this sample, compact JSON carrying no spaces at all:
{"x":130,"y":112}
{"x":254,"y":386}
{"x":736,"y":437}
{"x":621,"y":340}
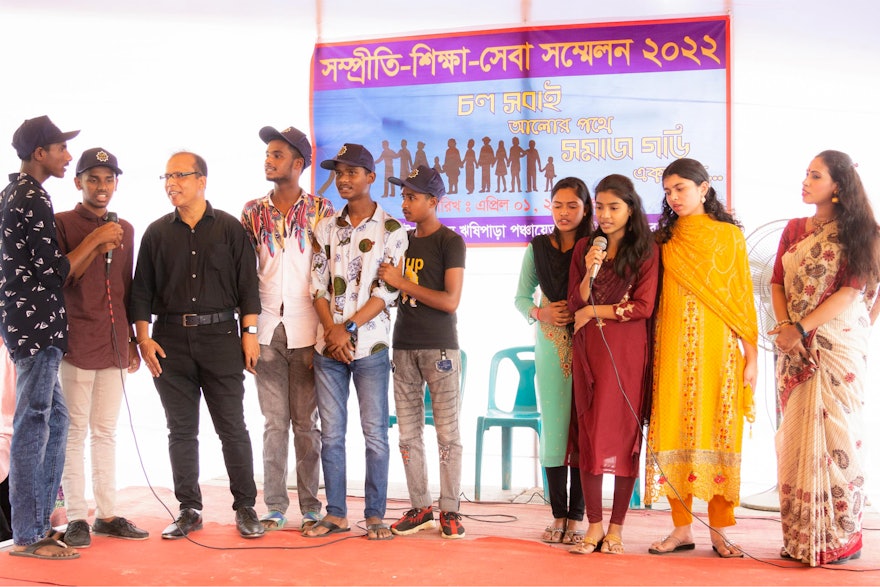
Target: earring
{"x":703,"y":200}
{"x":834,"y":199}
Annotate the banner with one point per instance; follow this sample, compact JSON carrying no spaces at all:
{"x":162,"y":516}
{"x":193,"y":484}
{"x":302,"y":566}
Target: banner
{"x":505,"y":114}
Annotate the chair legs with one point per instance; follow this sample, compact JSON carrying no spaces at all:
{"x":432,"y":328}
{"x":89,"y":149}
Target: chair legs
{"x":506,"y":457}
{"x":479,"y":458}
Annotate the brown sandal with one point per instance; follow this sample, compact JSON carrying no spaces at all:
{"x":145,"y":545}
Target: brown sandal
{"x":612,"y":544}
{"x":555,"y":535}
{"x":588,"y":542}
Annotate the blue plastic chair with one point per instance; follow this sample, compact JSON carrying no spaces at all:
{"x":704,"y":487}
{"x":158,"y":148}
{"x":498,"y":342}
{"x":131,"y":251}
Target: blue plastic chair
{"x":429,"y":406}
{"x":524,"y":412}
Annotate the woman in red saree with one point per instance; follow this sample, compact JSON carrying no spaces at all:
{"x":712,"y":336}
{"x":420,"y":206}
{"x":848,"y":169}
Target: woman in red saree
{"x":824,"y":288}
{"x":610,"y":391}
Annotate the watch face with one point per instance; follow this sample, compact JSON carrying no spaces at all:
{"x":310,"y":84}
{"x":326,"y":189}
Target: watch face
{"x":350,"y":326}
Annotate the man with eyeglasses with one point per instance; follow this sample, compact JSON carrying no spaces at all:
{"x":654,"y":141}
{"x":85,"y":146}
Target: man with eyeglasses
{"x":281,"y":227}
{"x":195,"y":269}
{"x":33,"y":271}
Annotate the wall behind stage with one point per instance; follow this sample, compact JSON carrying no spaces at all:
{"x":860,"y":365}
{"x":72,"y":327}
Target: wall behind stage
{"x":146,"y":79}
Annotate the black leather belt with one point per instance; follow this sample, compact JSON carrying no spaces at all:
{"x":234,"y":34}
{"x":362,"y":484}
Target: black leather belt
{"x":197,"y":319}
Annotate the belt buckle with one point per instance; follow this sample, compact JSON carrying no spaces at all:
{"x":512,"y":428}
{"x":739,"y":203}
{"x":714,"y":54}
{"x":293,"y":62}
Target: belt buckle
{"x":187,"y":323}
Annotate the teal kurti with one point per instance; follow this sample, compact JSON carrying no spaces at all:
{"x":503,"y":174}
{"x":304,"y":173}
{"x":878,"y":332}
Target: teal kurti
{"x":553,"y":366}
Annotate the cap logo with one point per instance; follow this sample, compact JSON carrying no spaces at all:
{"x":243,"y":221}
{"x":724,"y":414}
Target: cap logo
{"x":342,"y":151}
{"x":414,"y":173}
{"x":288,"y":129}
{"x":102,"y":156}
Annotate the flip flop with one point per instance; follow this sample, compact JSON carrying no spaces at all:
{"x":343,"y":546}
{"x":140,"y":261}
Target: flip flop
{"x":31,"y":550}
{"x":374,"y":528}
{"x":331,"y":529}
{"x":679,"y":546}
{"x":733,"y":551}
{"x":309,"y":520}
{"x":274,"y":520}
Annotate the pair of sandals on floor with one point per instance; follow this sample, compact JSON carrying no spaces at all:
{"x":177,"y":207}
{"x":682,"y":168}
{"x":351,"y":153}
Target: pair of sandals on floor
{"x":608,"y":544}
{"x":275,"y":520}
{"x":726,"y":549}
{"x":563,"y":534}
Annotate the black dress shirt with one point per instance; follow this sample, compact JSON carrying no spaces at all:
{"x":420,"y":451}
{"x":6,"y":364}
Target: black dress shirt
{"x":32,"y":270}
{"x":201,"y":270}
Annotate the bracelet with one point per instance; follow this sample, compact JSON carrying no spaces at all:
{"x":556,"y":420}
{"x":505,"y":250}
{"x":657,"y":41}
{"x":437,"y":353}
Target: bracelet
{"x":534,"y":312}
{"x":801,"y":329}
{"x":782,"y":323}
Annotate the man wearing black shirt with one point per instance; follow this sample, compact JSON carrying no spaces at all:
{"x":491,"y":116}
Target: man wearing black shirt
{"x":32,"y":272}
{"x":195,"y":268}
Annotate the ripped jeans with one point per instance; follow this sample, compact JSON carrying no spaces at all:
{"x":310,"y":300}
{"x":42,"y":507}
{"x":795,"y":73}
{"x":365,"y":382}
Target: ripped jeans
{"x":412,"y":369}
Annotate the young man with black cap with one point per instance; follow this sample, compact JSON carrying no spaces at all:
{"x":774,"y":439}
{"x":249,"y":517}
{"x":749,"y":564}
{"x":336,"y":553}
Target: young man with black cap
{"x":33,"y":270}
{"x":195,"y":270}
{"x":281,"y":226}
{"x":426,"y":352}
{"x":353,"y":336}
{"x":100,"y":350}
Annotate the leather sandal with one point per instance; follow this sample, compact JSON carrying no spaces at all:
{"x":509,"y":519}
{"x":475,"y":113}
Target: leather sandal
{"x":588,"y":545}
{"x":555,"y":534}
{"x":612,"y":544}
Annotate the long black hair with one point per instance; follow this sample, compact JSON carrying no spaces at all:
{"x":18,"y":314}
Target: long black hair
{"x":696,"y":172}
{"x":857,"y":228}
{"x":582,"y":192}
{"x":635,"y":246}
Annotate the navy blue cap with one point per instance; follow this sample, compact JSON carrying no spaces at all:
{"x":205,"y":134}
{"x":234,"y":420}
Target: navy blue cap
{"x":351,"y":154}
{"x":97,"y":157}
{"x":423,"y":180}
{"x":38,"y":132}
{"x":292,"y":136}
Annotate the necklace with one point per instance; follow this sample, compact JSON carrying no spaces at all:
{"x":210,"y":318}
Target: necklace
{"x":819,"y":224}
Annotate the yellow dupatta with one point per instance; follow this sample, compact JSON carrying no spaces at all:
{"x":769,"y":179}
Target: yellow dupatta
{"x":699,"y":402}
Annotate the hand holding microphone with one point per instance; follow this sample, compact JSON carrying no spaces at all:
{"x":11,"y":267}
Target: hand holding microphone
{"x":600,"y":243}
{"x":110,"y":217}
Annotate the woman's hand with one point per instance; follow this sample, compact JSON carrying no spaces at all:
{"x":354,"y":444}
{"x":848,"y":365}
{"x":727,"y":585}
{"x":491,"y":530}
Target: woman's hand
{"x":582,"y":317}
{"x":556,"y":313}
{"x":594,"y":256}
{"x":790,"y":341}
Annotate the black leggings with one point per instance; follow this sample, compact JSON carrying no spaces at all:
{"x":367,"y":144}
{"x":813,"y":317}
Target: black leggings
{"x":565,"y":502}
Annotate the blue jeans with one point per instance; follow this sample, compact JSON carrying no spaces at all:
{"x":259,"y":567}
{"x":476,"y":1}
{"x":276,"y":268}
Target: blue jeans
{"x":39,"y":437}
{"x":332,"y":379}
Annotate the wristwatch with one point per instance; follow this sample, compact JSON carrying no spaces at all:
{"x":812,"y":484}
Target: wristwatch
{"x":249,"y":329}
{"x":350,"y":326}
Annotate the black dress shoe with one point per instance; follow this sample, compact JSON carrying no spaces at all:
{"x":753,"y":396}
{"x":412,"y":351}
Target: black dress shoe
{"x":248,"y":524}
{"x":188,"y":521}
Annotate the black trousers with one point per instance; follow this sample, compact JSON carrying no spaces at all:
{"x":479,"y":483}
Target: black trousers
{"x":205,"y":360}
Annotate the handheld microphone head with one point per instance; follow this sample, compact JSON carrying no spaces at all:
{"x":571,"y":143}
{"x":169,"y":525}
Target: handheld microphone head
{"x":602,"y":243}
{"x":110,"y":217}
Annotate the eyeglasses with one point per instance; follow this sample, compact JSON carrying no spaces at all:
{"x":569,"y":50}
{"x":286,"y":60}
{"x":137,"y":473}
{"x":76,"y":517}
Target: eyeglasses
{"x":177,"y":175}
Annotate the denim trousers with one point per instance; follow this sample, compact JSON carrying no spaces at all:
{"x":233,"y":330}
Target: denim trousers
{"x":412,"y":370}
{"x":93,"y":397}
{"x":332,"y":380}
{"x":205,"y":360}
{"x":39,"y":436}
{"x":286,"y":389}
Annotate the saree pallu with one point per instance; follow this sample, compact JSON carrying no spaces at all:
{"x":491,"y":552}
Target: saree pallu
{"x":699,"y":400}
{"x":819,"y":444}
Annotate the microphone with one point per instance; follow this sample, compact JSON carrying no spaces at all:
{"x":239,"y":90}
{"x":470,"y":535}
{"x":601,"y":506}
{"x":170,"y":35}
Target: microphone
{"x":110,"y":217}
{"x":602,"y":243}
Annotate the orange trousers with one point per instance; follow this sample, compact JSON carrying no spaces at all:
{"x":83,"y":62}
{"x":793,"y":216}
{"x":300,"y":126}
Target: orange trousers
{"x":720,"y":511}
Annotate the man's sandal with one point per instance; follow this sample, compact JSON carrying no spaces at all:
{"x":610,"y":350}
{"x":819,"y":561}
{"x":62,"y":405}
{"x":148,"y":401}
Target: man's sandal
{"x":274,"y":520}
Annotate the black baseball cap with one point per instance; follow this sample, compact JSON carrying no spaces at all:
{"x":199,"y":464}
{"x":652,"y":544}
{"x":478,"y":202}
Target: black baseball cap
{"x":97,"y":157}
{"x":38,"y":132}
{"x":292,"y":136}
{"x":351,"y":154}
{"x":423,"y":180}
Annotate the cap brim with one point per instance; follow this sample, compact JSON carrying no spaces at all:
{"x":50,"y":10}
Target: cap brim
{"x":63,"y":137}
{"x":329,"y":164}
